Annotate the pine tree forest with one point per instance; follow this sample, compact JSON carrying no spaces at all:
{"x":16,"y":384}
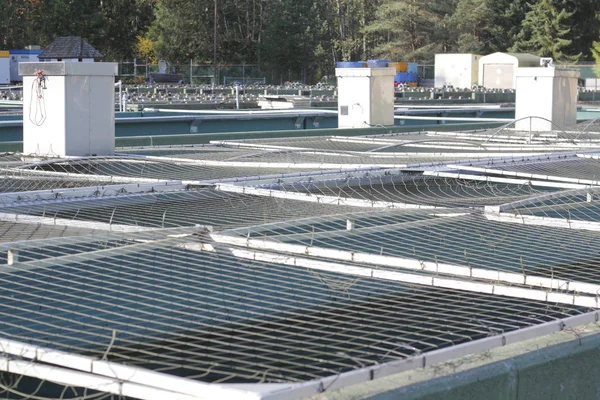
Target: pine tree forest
{"x":307,"y":37}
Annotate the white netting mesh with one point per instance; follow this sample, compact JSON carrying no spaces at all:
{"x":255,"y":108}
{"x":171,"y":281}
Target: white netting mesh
{"x":287,"y":260}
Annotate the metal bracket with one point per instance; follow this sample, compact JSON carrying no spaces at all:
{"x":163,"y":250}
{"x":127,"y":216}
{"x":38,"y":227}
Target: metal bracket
{"x":299,"y":122}
{"x":194,"y":124}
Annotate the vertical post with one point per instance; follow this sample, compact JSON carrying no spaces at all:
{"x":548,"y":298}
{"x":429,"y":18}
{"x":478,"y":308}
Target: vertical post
{"x":120,"y":96}
{"x":12,"y":257}
{"x":350,"y":224}
{"x":191,"y":71}
{"x":215,"y":46}
{"x":135,"y":70}
{"x":237,"y":97}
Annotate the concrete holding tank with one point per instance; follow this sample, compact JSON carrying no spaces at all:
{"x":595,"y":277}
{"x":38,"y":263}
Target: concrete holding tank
{"x":498,"y":70}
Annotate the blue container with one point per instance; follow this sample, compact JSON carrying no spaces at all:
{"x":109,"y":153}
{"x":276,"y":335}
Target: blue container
{"x":401,"y":77}
{"x":377,"y":63}
{"x":412,"y":68}
{"x":349,"y":64}
{"x":412,"y":77}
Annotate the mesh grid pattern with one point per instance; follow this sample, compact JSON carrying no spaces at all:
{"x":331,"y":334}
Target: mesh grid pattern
{"x":290,"y":260}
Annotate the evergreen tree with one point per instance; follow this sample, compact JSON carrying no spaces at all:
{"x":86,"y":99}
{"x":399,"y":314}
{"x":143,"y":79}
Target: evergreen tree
{"x":14,"y":23}
{"x":347,"y":20}
{"x":472,"y":21}
{"x":306,"y":37}
{"x":510,"y":15}
{"x":291,"y":38}
{"x":122,"y":22}
{"x":595,"y":50}
{"x":241,"y":28}
{"x":487,"y":26}
{"x":407,"y":30}
{"x":444,"y":34}
{"x":546,"y":32}
{"x":584,"y":24}
{"x":182,"y":29}
{"x":53,"y":18}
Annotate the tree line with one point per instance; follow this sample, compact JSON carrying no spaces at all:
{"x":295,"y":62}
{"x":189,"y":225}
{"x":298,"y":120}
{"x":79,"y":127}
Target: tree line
{"x":306,"y":37}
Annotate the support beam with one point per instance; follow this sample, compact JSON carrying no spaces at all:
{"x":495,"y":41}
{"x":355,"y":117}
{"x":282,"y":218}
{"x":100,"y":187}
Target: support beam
{"x":285,"y":250}
{"x":430,"y":280}
{"x":483,"y":178}
{"x":317,"y":198}
{"x":80,"y":371}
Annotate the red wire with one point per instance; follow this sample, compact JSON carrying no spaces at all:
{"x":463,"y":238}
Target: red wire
{"x":39,"y":78}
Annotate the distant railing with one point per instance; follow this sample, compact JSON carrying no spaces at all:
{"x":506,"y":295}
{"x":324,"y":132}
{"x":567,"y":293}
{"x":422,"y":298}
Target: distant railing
{"x":242,"y":80}
{"x":138,"y":70}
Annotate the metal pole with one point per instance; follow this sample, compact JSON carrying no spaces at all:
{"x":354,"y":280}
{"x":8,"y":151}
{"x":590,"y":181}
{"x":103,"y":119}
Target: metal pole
{"x":191,"y":82}
{"x":215,"y":46}
{"x":237,"y":97}
{"x":530,"y":134}
{"x":120,"y":95}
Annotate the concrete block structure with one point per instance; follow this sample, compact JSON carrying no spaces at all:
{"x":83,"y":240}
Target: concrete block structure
{"x":68,"y":108}
{"x":547,"y":93}
{"x":458,"y":70}
{"x":366,"y":97}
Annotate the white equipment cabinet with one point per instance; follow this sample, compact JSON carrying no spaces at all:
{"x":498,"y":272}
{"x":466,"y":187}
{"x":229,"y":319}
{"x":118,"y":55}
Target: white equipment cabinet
{"x":549,"y":93}
{"x":70,"y":113}
{"x":458,"y":70}
{"x":365,"y":97}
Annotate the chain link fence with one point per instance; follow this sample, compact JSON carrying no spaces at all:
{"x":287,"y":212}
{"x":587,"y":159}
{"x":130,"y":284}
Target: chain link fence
{"x":138,"y":71}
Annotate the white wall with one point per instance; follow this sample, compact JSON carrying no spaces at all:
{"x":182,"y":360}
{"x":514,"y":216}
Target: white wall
{"x":502,"y":67}
{"x":44,"y":119}
{"x":365,"y":97}
{"x":498,"y":70}
{"x":458,"y":70}
{"x":69,"y":60}
{"x":4,"y":70}
{"x":15,"y":59}
{"x":78,"y":104}
{"x":548,"y":93}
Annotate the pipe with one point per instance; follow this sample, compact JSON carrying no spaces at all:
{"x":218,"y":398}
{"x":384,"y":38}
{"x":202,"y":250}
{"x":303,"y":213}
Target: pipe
{"x":221,"y":112}
{"x":468,"y":119}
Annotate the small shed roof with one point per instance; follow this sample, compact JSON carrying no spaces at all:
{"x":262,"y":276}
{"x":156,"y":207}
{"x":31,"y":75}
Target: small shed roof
{"x":523,"y":59}
{"x":69,"y":47}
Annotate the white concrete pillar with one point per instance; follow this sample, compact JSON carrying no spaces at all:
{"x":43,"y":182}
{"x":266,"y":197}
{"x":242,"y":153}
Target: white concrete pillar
{"x":549,"y":93}
{"x":365,"y":97}
{"x":68,"y":108}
